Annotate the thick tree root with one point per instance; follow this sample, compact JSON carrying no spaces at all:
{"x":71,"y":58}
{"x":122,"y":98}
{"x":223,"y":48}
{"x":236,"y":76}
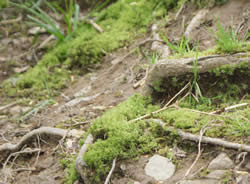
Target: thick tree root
{"x":79,"y":163}
{"x":180,"y":67}
{"x":9,"y":147}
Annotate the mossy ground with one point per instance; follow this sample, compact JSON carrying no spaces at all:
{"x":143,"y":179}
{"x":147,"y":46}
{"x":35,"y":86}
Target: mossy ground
{"x":4,"y":3}
{"x":116,"y":137}
{"x":121,"y":21}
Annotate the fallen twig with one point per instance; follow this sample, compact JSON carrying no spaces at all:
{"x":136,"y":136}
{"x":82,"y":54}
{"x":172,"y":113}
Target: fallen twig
{"x":110,"y":172}
{"x":11,"y":21}
{"x":202,"y":112}
{"x":180,"y":10}
{"x":229,"y":108}
{"x":16,"y":154}
{"x":95,"y":25}
{"x":79,"y":163}
{"x":8,"y":147}
{"x":202,"y":131}
{"x":214,"y":141}
{"x":142,"y":81}
{"x":7,"y":106}
{"x":162,"y":109}
{"x":207,"y":140}
{"x":46,"y":41}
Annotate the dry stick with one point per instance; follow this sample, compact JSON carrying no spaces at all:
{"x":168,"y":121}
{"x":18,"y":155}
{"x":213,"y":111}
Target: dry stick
{"x":214,"y":141}
{"x":243,"y":155}
{"x":180,"y":10}
{"x":208,"y":140}
{"x":95,"y":25}
{"x":142,"y":81}
{"x":184,"y":88}
{"x":162,"y":109}
{"x":110,"y":172}
{"x":16,"y":154}
{"x":24,"y":169}
{"x":207,"y":113}
{"x":39,"y":147}
{"x":229,"y":108}
{"x":241,"y":24}
{"x":7,"y":106}
{"x":11,"y":21}
{"x":40,"y":131}
{"x":202,"y":131}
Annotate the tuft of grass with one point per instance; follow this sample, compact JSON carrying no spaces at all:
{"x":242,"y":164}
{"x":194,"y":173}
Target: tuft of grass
{"x":181,"y":48}
{"x":227,"y":40}
{"x":43,"y":20}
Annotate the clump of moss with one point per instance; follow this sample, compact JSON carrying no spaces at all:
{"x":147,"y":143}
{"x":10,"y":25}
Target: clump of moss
{"x":116,"y":137}
{"x":4,"y":3}
{"x":220,"y":85}
{"x":68,"y":163}
{"x":121,"y":22}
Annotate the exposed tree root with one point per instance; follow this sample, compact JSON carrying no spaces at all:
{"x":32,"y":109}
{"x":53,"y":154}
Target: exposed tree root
{"x":79,"y":163}
{"x":214,"y":141}
{"x":195,"y":22}
{"x":207,"y":140}
{"x":110,"y":172}
{"x":9,"y":147}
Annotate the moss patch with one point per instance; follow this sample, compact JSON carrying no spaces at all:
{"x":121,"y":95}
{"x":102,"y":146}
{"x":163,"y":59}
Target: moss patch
{"x":223,"y":84}
{"x":4,"y":3}
{"x":116,"y":137}
{"x":121,"y":22}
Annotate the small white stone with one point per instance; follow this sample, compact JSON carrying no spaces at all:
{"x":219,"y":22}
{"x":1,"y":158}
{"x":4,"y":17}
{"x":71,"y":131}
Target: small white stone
{"x":160,"y":168}
{"x":36,"y":30}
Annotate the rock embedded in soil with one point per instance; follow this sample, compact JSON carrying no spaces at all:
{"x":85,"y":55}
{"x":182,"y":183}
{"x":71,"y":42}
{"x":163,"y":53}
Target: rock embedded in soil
{"x":160,"y":168}
{"x":247,"y":166}
{"x":242,"y":179}
{"x":203,"y":181}
{"x":222,"y":161}
{"x":217,"y":174}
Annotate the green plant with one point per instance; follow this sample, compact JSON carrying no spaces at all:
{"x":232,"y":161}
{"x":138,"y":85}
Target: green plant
{"x":117,"y":138}
{"x":42,"y":19}
{"x":4,"y":3}
{"x":195,"y":84}
{"x":153,"y":58}
{"x":226,"y":40}
{"x":180,"y":48}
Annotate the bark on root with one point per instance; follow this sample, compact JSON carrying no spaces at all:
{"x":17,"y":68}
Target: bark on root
{"x":178,"y":67}
{"x":195,"y":23}
{"x":9,"y":147}
{"x":79,"y":163}
{"x":206,"y":140}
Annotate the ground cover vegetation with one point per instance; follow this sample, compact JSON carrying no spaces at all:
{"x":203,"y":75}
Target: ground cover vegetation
{"x":116,"y":134}
{"x":121,"y":22}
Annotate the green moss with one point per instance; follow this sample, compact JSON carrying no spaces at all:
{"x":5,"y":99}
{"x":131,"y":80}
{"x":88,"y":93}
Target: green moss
{"x":116,"y":137}
{"x":121,"y":22}
{"x":4,"y":3}
{"x":68,"y":163}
